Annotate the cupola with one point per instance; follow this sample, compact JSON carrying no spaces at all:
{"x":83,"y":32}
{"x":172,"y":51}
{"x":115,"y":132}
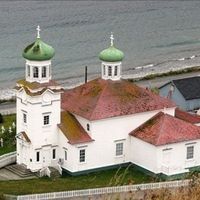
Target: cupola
{"x":111,"y":62}
{"x":38,"y":57}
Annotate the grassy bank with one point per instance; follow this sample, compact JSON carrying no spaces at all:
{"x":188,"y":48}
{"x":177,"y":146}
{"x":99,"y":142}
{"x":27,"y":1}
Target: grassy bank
{"x":106,"y":178}
{"x":165,"y":74}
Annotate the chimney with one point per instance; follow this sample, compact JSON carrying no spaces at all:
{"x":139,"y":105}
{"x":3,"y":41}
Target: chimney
{"x":85,"y":74}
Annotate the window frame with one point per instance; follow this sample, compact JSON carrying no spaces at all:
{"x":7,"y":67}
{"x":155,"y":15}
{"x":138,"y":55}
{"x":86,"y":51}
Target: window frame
{"x":44,"y":71}
{"x":88,"y":127}
{"x":37,"y":156}
{"x":46,"y":120}
{"x":24,"y":116}
{"x":82,"y":155}
{"x":119,"y":149}
{"x":53,"y":154}
{"x":65,"y":155}
{"x":190,"y":152}
{"x":35,"y":72}
{"x":109,"y":71}
{"x":104,"y":70}
{"x":116,"y":70}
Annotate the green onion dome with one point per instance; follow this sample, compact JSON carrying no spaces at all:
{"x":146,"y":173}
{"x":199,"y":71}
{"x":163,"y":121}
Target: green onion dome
{"x":38,"y":51}
{"x":111,"y":54}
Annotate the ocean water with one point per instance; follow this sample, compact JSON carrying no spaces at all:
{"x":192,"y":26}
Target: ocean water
{"x":155,"y":34}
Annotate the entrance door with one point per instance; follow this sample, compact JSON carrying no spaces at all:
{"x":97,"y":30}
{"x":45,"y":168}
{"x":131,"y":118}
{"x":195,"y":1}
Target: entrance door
{"x":24,"y":154}
{"x":46,"y":157}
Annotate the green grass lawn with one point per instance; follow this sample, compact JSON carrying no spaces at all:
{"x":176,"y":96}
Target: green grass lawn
{"x":8,"y":147}
{"x":106,"y":178}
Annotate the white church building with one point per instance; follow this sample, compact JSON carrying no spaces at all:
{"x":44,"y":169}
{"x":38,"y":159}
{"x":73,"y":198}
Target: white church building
{"x":100,"y":124}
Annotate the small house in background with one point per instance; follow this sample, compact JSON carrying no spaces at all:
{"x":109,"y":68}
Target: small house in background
{"x":184,"y":92}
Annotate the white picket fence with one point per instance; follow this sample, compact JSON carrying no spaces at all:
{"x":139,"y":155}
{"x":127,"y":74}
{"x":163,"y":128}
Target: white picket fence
{"x":105,"y":190}
{"x":8,"y":159}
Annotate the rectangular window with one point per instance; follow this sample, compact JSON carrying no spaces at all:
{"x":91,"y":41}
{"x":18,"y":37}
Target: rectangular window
{"x":190,"y":152}
{"x":115,"y":70}
{"x":82,"y":155}
{"x":119,"y":149}
{"x":54,"y":154}
{"x":46,"y":119}
{"x":109,"y":71}
{"x":104,"y":70}
{"x":35,"y":72}
{"x":44,"y":72}
{"x":25,"y":118}
{"x":65,"y":154}
{"x":37,"y":156}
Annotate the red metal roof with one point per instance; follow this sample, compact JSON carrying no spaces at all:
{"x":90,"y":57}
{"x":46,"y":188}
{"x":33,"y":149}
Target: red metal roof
{"x":99,"y":99}
{"x":188,"y":117}
{"x":72,"y":129}
{"x":164,"y":129}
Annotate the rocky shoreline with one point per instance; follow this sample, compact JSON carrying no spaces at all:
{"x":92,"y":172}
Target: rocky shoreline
{"x":149,"y":72}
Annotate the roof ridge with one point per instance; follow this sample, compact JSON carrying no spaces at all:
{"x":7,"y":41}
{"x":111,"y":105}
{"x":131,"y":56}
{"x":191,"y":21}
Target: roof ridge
{"x":98,"y":100}
{"x":151,"y":118}
{"x":162,"y":124}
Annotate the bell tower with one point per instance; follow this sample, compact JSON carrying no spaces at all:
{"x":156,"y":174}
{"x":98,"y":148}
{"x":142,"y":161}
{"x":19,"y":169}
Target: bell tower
{"x":38,"y":108}
{"x":111,"y":62}
{"x":38,"y":60}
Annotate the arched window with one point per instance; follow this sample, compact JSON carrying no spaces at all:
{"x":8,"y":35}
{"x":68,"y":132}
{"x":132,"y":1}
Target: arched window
{"x":115,"y":71}
{"x":28,"y":70}
{"x":44,"y":72}
{"x":109,"y":71}
{"x":35,"y":72}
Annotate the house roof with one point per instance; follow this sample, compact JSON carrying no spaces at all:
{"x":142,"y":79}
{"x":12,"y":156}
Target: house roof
{"x":164,"y":129}
{"x":99,"y":99}
{"x":72,"y":129}
{"x":188,"y":87}
{"x":188,"y":117}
